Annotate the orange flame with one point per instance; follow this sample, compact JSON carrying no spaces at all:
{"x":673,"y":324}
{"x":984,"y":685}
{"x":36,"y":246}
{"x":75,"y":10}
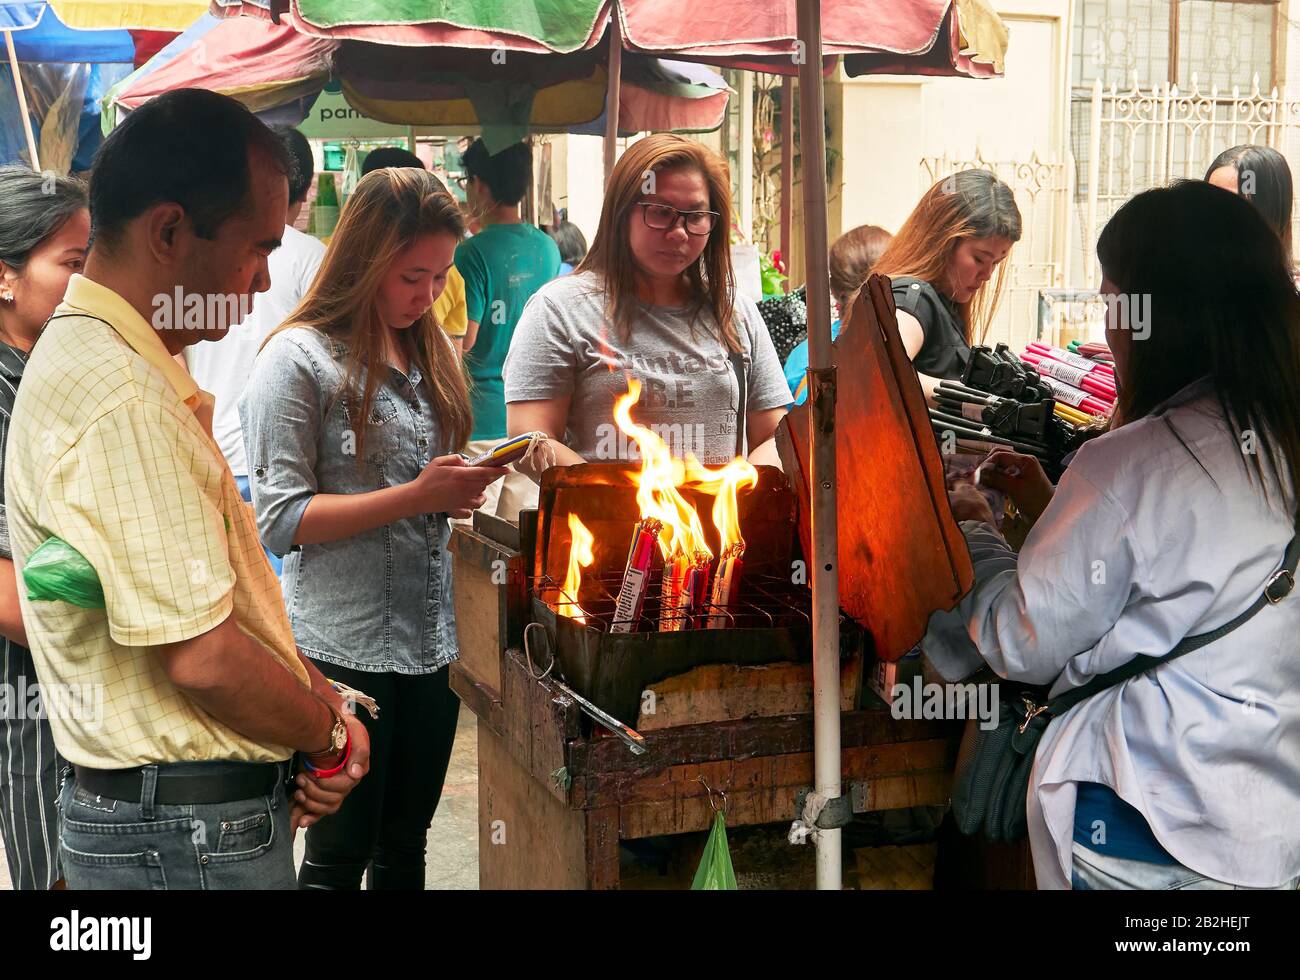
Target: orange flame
{"x":580,"y":556}
{"x":724,"y":484}
{"x":656,"y":494}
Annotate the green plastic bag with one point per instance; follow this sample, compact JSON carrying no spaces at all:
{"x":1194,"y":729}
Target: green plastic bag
{"x":58,"y":572}
{"x":715,"y":872}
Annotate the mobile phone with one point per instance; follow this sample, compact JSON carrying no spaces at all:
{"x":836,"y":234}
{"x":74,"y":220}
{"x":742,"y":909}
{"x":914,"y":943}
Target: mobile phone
{"x":510,"y":451}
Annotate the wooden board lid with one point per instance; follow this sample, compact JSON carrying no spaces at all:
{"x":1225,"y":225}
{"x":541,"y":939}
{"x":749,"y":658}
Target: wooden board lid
{"x":901,"y":554}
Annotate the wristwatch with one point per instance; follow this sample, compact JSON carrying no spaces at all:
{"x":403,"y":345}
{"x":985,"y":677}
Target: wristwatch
{"x":338,"y":736}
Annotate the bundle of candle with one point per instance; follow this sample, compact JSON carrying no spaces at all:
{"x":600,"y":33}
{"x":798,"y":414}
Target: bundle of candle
{"x":636,"y":576}
{"x":1083,"y":384}
{"x":685,"y":592}
{"x":1005,"y":400}
{"x":1091,"y":350}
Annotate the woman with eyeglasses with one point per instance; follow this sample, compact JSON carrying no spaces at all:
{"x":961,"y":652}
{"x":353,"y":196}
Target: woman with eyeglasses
{"x":654,"y":299}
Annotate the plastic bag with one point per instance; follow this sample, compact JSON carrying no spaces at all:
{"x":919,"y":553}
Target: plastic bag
{"x":715,"y":872}
{"x":58,"y":572}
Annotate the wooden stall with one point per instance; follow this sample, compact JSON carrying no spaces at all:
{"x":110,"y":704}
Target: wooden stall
{"x":713,"y":711}
{"x":556,"y":795}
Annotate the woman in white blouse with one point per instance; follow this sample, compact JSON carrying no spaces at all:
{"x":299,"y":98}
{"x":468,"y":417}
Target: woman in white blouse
{"x":1168,"y":526}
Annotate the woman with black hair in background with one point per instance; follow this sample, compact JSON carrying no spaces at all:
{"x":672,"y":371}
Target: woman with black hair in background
{"x":1259,"y":174}
{"x":572,"y":244}
{"x":44,"y":230}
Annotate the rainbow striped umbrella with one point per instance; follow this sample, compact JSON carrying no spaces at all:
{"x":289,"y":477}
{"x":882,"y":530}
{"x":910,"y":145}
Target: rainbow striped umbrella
{"x":73,"y":51}
{"x":276,"y":69}
{"x":954,"y":37}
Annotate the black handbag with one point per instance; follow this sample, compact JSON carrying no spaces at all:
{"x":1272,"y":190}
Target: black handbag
{"x":787,"y":320}
{"x":991,"y":783}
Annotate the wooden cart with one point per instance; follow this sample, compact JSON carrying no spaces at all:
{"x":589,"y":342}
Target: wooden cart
{"x":557,"y":795}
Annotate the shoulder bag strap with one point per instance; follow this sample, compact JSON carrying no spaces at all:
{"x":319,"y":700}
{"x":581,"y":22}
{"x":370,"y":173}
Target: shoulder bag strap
{"x":1278,"y":587}
{"x":742,"y":413}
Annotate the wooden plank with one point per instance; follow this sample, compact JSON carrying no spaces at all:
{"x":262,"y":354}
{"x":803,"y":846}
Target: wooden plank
{"x":901,"y":554}
{"x":751,"y":737}
{"x":774,"y":804}
{"x":480,"y":605}
{"x":727,"y":692}
{"x":527,"y":838}
{"x":793,"y":771}
{"x":517,"y":689}
{"x":478,"y":697}
{"x":602,"y":833}
{"x":538,"y":723}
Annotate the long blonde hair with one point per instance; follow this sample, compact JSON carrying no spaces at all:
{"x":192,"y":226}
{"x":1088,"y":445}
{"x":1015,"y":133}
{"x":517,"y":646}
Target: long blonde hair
{"x":389,"y":209}
{"x":968,"y":204}
{"x":711,"y":279}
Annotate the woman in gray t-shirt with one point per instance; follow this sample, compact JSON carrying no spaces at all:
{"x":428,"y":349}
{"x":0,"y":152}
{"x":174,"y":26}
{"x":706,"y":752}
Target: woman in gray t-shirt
{"x":642,"y":305}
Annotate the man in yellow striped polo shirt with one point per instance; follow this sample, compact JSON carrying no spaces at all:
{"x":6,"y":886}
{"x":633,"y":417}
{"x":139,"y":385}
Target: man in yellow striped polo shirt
{"x":200,"y":695}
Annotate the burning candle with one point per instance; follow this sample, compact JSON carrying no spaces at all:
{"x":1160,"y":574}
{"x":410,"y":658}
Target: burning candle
{"x":725,"y":582}
{"x":671,"y":608}
{"x":725,"y":485}
{"x":580,"y":556}
{"x":636,"y":576}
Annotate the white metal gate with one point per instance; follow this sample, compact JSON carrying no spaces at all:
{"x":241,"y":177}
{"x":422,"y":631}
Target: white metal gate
{"x":1042,"y":191}
{"x":1142,"y":139}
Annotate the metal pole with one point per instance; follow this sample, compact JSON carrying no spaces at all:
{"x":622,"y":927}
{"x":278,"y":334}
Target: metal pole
{"x":821,"y":387}
{"x":615,"y":86}
{"x":787,"y":170}
{"x":745,"y":163}
{"x":1094,"y":176}
{"x":22,"y":100}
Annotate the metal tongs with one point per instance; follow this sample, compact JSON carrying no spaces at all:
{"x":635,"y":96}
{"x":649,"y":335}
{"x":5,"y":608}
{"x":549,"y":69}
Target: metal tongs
{"x":633,"y":739}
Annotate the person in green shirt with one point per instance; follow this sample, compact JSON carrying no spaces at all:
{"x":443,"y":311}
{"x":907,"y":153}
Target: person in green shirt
{"x":503,"y":265}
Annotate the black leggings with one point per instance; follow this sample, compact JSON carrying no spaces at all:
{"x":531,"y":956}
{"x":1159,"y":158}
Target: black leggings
{"x":383,"y":823}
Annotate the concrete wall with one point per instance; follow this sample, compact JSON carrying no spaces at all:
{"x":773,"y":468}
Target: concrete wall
{"x":883,"y":126}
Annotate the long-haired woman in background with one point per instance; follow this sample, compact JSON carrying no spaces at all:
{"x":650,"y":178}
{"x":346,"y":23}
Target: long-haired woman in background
{"x":945,"y":264}
{"x":1261,"y":175}
{"x":44,"y":229}
{"x":352,"y":420}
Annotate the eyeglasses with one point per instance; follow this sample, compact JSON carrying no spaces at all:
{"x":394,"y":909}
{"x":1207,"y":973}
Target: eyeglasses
{"x":461,"y":181}
{"x":661,"y":217}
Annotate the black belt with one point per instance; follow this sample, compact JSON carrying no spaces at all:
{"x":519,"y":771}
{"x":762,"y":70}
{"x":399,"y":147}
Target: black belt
{"x":218,"y":782}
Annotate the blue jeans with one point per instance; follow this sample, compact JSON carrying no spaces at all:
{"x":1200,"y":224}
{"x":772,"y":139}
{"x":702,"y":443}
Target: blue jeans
{"x":276,"y":561}
{"x":1094,"y":871}
{"x":113,"y":844}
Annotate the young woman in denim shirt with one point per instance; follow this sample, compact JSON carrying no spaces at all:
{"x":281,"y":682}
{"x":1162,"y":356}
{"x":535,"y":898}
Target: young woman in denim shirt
{"x":351,"y":419}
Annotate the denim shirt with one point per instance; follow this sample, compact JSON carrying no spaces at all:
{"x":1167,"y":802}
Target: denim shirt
{"x":380,"y":600}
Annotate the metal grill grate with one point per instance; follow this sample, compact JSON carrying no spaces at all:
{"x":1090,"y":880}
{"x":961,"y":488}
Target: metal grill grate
{"x":765,"y":601}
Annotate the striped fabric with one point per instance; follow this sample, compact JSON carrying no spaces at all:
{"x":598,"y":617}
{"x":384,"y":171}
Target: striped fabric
{"x":29,"y":765}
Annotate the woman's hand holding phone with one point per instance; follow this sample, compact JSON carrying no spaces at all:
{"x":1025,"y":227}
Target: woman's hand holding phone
{"x":449,"y":484}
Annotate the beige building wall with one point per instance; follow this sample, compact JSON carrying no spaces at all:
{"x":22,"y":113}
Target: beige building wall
{"x":882,"y":128}
{"x":577,"y":169}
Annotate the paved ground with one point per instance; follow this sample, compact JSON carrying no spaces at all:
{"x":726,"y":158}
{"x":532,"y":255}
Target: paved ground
{"x":453,"y":837}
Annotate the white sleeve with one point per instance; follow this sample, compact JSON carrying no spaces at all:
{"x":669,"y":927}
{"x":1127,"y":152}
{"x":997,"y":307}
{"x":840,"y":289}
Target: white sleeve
{"x":1065,"y":592}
